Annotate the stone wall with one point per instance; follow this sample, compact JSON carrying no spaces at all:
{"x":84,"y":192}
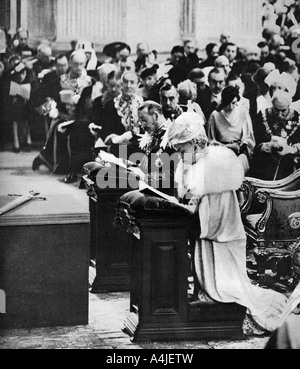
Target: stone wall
{"x":162,"y":23}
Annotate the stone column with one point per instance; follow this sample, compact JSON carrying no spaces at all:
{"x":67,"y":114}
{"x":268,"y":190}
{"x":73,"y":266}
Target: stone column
{"x":188,"y":19}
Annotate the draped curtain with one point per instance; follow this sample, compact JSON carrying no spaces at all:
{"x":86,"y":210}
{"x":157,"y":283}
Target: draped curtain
{"x":42,"y":19}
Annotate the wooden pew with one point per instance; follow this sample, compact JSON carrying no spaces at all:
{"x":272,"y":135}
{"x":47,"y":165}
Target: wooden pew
{"x":159,"y":304}
{"x":112,"y":254}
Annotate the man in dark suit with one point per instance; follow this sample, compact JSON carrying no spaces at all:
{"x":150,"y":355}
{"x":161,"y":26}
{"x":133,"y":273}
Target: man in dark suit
{"x":210,"y":99}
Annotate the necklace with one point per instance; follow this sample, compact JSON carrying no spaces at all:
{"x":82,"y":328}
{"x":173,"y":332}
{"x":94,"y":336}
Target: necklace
{"x":287,"y":132}
{"x":128,"y":110}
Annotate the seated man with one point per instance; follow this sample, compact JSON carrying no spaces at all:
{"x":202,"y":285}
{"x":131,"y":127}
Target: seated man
{"x":209,"y":100}
{"x":20,"y":43}
{"x":178,"y":70}
{"x":277,"y":135}
{"x":61,"y":67}
{"x":145,"y":57}
{"x":156,"y":162}
{"x":44,"y":63}
{"x":223,"y":62}
{"x":190,"y":53}
{"x":169,"y":100}
{"x":230,"y":50}
{"x":119,"y":117}
{"x":212,"y":52}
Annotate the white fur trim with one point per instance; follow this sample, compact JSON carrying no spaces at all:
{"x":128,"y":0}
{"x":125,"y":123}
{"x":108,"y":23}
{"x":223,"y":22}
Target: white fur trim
{"x":219,"y":171}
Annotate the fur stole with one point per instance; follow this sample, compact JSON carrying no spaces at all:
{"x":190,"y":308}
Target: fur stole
{"x":219,"y":171}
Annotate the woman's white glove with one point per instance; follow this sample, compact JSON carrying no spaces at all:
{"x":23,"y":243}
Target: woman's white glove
{"x":124,"y":138}
{"x":53,"y":113}
{"x":94,"y":128}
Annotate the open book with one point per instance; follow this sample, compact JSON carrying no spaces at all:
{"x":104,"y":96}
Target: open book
{"x":145,"y":188}
{"x":110,"y":158}
{"x":21,"y":90}
{"x":100,"y":143}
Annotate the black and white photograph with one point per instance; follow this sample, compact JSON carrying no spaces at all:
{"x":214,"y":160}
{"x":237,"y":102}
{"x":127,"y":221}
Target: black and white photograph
{"x":150,"y":177}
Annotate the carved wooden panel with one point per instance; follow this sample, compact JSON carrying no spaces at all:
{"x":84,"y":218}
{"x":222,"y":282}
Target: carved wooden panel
{"x":164,"y":266}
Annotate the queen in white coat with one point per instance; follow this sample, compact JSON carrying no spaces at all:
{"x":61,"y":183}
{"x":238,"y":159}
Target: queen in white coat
{"x":211,"y":175}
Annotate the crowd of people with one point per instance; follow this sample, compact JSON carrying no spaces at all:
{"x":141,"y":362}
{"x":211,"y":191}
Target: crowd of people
{"x":236,"y":112}
{"x":249,"y":96}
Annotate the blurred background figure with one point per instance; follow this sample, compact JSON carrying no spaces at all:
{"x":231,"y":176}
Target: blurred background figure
{"x":187,"y":98}
{"x":190,"y":54}
{"x":178,"y":71}
{"x":73,"y":44}
{"x":44,"y":63}
{"x":149,"y":89}
{"x":223,"y":62}
{"x":212,"y":52}
{"x":126,"y":65}
{"x":145,"y":57}
{"x":92,"y":61}
{"x":116,"y":51}
{"x":20,"y":44}
{"x":19,"y":88}
{"x":61,"y":66}
{"x":224,"y":38}
{"x":230,"y":50}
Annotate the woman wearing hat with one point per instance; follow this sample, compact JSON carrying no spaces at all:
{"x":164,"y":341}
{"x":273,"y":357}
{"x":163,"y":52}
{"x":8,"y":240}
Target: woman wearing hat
{"x":210,"y":176}
{"x":230,"y":125}
{"x":150,"y":87}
